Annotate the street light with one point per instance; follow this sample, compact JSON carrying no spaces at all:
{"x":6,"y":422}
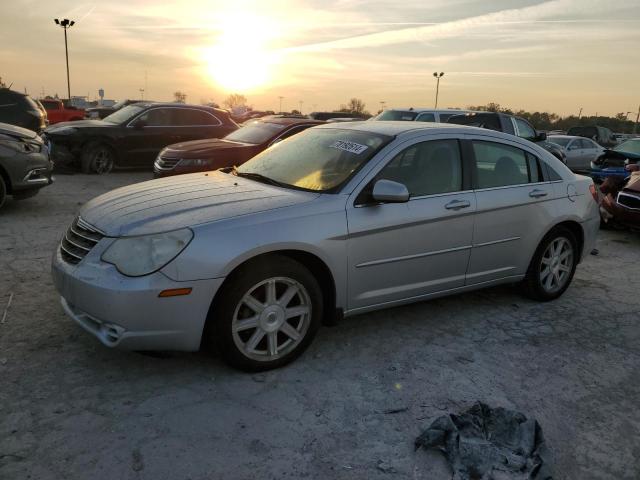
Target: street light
{"x":280,"y":97}
{"x":300,"y":109}
{"x":438,"y":77}
{"x":65,"y":24}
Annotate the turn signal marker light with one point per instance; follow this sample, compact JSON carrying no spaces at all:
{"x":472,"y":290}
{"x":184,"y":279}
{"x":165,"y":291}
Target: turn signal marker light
{"x":175,"y":292}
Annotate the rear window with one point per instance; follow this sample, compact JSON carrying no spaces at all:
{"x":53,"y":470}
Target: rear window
{"x":397,"y":115}
{"x":491,"y":122}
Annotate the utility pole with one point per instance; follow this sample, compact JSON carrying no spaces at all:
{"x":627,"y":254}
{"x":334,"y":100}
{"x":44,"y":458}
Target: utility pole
{"x":382,"y":104}
{"x":141,"y":90}
{"x":65,"y":24}
{"x":580,"y":113}
{"x":280,"y":97}
{"x":300,"y":109}
{"x":438,"y":77}
{"x":635,"y":127}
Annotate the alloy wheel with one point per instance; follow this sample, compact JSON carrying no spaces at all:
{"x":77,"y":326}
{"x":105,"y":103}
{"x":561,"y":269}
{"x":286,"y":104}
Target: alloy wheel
{"x":556,"y":264}
{"x":271,"y":319}
{"x":102,"y":161}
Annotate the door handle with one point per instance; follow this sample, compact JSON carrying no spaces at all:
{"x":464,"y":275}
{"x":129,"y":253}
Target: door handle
{"x":537,"y":193}
{"x":457,"y":204}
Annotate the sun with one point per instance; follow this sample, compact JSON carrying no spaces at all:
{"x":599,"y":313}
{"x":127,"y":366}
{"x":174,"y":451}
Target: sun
{"x":240,"y":60}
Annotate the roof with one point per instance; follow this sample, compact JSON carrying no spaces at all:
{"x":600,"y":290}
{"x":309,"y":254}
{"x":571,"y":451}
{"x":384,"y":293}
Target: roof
{"x":570,"y":137}
{"x":284,"y":120}
{"x":147,"y":104}
{"x":395,"y":128}
{"x":423,"y":109}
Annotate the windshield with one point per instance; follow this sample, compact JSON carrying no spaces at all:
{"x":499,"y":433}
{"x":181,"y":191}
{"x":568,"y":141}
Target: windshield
{"x":316,"y":159}
{"x":255,"y":132}
{"x":396,"y":115}
{"x":124,"y":114}
{"x":562,"y":141}
{"x":630,"y":146}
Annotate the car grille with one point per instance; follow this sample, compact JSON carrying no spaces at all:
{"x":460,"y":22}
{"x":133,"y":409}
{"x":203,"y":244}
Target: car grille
{"x":78,"y":241}
{"x":163,"y":163}
{"x":629,"y":201}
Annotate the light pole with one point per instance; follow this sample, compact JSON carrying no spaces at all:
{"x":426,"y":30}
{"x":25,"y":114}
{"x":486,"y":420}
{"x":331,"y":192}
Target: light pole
{"x":635,"y":127}
{"x":438,"y":77}
{"x":280,"y":97}
{"x":580,"y":113}
{"x":382,"y":104}
{"x":65,"y":23}
{"x":300,"y":109}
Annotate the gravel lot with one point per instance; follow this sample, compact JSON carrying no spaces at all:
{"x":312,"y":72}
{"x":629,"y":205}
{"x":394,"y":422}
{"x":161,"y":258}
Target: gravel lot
{"x":73,"y":409}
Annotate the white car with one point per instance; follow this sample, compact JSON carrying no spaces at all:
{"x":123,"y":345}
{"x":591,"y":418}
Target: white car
{"x":418,"y":114}
{"x":580,"y":151}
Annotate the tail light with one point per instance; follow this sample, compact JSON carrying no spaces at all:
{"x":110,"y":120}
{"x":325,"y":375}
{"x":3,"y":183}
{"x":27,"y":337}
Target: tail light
{"x":594,"y":192}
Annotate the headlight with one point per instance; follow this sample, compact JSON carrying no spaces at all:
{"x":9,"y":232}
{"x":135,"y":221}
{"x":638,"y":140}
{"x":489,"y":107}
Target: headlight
{"x":138,"y":256}
{"x":194,"y":162}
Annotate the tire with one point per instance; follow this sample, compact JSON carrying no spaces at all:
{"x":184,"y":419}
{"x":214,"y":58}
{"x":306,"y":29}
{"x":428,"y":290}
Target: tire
{"x":97,"y":157}
{"x":553,"y":265}
{"x":261,"y":336}
{"x":3,"y":191}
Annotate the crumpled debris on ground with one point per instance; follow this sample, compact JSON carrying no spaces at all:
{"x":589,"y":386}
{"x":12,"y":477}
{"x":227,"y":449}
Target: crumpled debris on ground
{"x":487,"y":443}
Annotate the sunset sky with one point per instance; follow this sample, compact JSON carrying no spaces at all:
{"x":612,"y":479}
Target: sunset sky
{"x":556,"y":55}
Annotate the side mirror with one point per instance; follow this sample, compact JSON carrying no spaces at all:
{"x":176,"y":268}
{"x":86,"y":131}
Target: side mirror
{"x":541,"y":137}
{"x":388,"y":191}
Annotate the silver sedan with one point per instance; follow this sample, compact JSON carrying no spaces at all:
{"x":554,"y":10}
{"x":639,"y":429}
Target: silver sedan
{"x":580,"y":151}
{"x":335,"y":221}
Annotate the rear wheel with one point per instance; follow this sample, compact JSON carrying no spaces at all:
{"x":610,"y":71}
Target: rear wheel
{"x":266,"y":315}
{"x":553,"y":265}
{"x":3,"y":191}
{"x":97,"y":158}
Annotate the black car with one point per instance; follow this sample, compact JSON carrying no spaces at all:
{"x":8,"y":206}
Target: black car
{"x":324,"y":116}
{"x":24,"y":163}
{"x":21,"y":110}
{"x":502,"y":122}
{"x":133,"y":136}
{"x":100,"y":112}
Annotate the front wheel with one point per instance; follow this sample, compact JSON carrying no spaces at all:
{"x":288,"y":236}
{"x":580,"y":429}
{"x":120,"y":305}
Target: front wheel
{"x":553,"y":265}
{"x":97,"y":158}
{"x":266,"y":315}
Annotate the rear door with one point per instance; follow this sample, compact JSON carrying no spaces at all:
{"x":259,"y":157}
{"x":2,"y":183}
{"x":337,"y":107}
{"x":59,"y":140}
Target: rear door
{"x":194,"y":124}
{"x":398,"y":251}
{"x":512,"y":206}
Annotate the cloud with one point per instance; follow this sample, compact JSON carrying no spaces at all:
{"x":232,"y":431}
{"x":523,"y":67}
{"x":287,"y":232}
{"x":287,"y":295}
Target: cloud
{"x":546,"y":11}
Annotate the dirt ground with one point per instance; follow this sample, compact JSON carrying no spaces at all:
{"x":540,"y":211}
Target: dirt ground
{"x":71,"y":408}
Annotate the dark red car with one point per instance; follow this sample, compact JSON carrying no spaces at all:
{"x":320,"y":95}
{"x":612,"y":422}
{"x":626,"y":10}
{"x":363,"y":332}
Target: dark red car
{"x":234,"y":149}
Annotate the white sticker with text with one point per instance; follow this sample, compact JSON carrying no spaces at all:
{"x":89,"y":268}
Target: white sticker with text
{"x":350,"y":147}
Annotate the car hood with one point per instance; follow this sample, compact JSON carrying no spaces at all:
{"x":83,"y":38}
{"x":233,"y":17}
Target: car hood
{"x":204,"y":148}
{"x":188,"y":200}
{"x":79,"y":124}
{"x":17,"y":132}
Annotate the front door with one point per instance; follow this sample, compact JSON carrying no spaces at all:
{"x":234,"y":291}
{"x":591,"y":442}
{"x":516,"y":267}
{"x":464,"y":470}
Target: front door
{"x":146,"y":135}
{"x":399,"y":251}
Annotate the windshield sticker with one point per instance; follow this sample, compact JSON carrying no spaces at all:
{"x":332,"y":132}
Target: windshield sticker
{"x":350,"y":147}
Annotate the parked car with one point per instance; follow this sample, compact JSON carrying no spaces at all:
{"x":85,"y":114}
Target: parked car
{"x":102,"y":111}
{"x":58,"y":112}
{"x":21,"y":110}
{"x":324,"y":116}
{"x":24,"y":163}
{"x":337,"y":220}
{"x":502,"y":122}
{"x":579,"y":151}
{"x":234,"y":149}
{"x":418,"y":114}
{"x":620,"y":203}
{"x":612,"y":162}
{"x":601,"y":135}
{"x":133,"y":136}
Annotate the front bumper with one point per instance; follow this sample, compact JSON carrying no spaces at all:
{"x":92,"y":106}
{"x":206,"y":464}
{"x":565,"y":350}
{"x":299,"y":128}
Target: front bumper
{"x":127,"y":313}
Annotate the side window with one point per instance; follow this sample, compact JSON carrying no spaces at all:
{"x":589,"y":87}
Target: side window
{"x":427,"y":168}
{"x":157,"y":117}
{"x":291,"y":132}
{"x":426,"y":117}
{"x":446,"y":116}
{"x":535,"y":171}
{"x":525,"y":130}
{"x":499,"y":165}
{"x":190,"y":117}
